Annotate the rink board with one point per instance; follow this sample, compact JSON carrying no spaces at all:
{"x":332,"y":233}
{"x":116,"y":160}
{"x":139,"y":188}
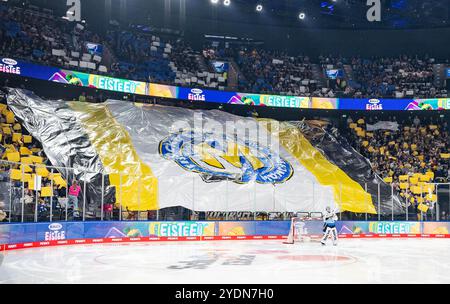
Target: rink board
{"x":28,"y":235}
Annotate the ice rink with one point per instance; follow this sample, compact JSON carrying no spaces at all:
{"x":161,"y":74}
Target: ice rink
{"x":353,"y":261}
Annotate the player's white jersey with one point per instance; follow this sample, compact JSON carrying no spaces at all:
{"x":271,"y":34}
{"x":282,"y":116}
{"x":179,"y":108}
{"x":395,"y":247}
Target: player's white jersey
{"x":330,"y":230}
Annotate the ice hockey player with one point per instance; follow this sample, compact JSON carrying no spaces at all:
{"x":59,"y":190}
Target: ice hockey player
{"x":329,"y":227}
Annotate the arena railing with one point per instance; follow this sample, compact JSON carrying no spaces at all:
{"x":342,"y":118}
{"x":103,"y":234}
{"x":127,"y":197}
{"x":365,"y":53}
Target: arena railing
{"x":31,"y":192}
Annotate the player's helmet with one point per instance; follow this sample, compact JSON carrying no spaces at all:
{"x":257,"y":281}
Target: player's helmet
{"x":328,"y":209}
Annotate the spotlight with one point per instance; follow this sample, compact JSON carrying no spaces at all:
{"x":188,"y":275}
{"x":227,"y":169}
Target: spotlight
{"x":301,"y":16}
{"x":214,"y":1}
{"x":226,"y":2}
{"x":259,"y":8}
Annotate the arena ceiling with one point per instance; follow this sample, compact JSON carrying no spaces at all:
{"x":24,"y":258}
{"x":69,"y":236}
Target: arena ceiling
{"x":336,"y":14}
{"x":348,"y":13}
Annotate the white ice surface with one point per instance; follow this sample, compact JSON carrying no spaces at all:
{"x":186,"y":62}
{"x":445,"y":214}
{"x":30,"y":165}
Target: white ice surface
{"x":352,"y":261}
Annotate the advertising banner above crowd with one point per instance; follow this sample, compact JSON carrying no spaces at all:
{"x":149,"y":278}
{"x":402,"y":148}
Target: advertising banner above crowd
{"x":374,"y":104}
{"x":26,"y":69}
{"x":196,"y":94}
{"x":104,"y":83}
{"x":272,"y":100}
{"x":21,"y":68}
{"x":394,"y":104}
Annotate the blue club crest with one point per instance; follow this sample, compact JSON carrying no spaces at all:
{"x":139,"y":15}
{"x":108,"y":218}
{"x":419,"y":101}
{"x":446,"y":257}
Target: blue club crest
{"x":218,"y":159}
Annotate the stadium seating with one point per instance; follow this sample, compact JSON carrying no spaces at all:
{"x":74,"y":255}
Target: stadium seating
{"x":276,"y":72}
{"x":146,"y":56}
{"x":400,"y":77}
{"x":17,"y":146}
{"x":409,"y":158}
{"x":39,"y":36}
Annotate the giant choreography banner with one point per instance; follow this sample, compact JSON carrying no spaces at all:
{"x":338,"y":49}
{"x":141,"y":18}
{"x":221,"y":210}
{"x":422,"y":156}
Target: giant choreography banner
{"x":217,"y":161}
{"x":26,"y":69}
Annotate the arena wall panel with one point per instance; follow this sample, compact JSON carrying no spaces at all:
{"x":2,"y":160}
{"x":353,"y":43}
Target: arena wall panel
{"x":28,"y":235}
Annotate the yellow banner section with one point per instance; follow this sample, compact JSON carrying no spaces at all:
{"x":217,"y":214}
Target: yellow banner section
{"x":348,"y":194}
{"x":136,"y":185}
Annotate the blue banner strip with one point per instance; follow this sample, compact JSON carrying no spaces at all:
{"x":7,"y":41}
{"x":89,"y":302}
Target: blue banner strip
{"x":26,"y":69}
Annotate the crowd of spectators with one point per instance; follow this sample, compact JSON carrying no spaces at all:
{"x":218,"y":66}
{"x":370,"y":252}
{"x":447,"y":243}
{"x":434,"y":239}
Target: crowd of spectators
{"x":414,"y":154}
{"x":270,"y":71}
{"x":18,"y":146}
{"x":38,"y":35}
{"x":140,"y":56}
{"x":41,"y":37}
{"x":22,"y":158}
{"x":219,"y":51}
{"x":144,"y":56}
{"x":408,"y":153}
{"x":185,"y":58}
{"x":390,"y":77}
{"x":399,"y":77}
{"x":194,"y":68}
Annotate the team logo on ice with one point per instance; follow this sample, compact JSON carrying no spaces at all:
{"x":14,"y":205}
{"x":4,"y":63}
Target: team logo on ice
{"x":218,"y":159}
